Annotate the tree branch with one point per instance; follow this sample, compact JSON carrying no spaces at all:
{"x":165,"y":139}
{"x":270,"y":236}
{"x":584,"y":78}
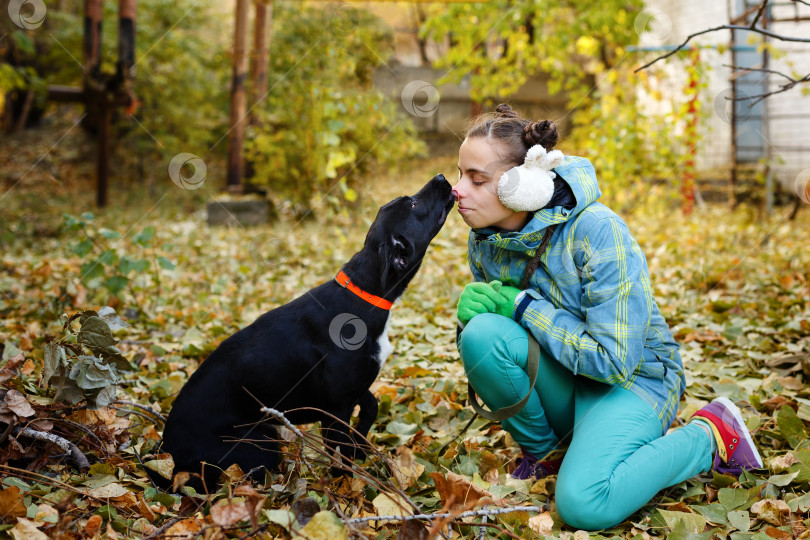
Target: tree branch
{"x":782,"y":88}
{"x":150,"y":410}
{"x":78,"y":457}
{"x":445,"y":515}
{"x":724,"y":27}
{"x":760,"y":70}
{"x":759,"y":14}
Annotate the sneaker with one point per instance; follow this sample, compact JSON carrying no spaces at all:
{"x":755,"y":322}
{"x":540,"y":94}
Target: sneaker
{"x":528,"y":465}
{"x":736,"y":450}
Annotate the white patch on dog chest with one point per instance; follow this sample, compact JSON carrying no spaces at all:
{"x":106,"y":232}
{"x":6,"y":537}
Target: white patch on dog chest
{"x":384,"y":344}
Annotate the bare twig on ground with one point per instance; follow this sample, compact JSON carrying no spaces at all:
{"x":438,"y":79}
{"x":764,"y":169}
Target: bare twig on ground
{"x":78,"y":457}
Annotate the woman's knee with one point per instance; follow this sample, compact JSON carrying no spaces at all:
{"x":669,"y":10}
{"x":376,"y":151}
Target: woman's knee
{"x":583,"y":505}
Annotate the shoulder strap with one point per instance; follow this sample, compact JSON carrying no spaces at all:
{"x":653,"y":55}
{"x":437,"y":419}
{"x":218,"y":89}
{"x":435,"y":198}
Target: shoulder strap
{"x":532,"y":265}
{"x":533,"y":363}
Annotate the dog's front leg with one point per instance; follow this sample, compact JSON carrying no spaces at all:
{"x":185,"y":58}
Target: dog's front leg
{"x":368,"y":414}
{"x":336,"y":436}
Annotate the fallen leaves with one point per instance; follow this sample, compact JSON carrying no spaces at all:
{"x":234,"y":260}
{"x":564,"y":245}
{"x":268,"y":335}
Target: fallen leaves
{"x":743,"y":326}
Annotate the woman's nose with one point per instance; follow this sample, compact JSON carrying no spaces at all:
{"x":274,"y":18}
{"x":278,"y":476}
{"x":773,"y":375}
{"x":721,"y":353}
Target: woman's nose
{"x":456,"y":196}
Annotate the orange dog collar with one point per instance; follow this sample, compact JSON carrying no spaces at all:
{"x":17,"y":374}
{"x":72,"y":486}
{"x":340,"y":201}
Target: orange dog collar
{"x":344,"y":281}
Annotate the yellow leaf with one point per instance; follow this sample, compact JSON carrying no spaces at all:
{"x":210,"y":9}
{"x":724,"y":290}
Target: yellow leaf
{"x":387,"y":505}
{"x":324,"y":526}
{"x":587,"y":46}
{"x":164,"y":467}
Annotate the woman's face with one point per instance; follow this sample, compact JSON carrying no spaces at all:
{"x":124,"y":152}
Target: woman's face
{"x":479,"y":169}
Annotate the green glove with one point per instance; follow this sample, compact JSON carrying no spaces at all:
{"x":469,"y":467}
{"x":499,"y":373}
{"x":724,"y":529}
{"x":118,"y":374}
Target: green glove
{"x":477,"y":298}
{"x":505,"y":305}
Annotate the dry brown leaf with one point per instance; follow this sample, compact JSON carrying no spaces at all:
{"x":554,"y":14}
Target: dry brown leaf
{"x":791,"y":383}
{"x":93,"y":524}
{"x":144,"y":508}
{"x":42,"y":425}
{"x":9,"y":371}
{"x":783,"y":463}
{"x":27,"y":530}
{"x":455,"y":490}
{"x":180,"y":480}
{"x":407,"y":470}
{"x":187,"y":528}
{"x":28,"y":367}
{"x":233,"y":473}
{"x":772,"y":511}
{"x":227,"y":513}
{"x":773,"y":532}
{"x":16,"y":403}
{"x":711,"y":494}
{"x":254,"y":501}
{"x":542,"y":524}
{"x":777,"y":402}
{"x":11,"y":505}
{"x":111,"y":534}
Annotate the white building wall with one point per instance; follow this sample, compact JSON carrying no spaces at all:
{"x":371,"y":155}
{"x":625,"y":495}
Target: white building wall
{"x":673,"y":21}
{"x":790,"y":111}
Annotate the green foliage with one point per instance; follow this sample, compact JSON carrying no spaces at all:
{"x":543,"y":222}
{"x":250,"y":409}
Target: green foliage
{"x":107,"y":262}
{"x":584,"y":53}
{"x":85,"y":364}
{"x":181,"y":82}
{"x":323,"y":125}
{"x":568,"y":41}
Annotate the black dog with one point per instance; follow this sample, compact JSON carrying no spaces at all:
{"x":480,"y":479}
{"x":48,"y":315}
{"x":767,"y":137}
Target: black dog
{"x":322,"y":350}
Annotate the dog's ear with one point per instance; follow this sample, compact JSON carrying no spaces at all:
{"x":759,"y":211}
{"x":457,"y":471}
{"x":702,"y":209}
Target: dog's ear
{"x":400,"y":252}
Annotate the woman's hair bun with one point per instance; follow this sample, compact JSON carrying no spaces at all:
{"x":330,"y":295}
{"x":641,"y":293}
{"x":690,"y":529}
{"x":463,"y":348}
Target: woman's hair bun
{"x":543,"y":133}
{"x":505,"y":111}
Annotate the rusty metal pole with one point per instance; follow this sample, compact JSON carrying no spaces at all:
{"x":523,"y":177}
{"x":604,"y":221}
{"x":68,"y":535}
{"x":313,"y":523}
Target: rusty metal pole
{"x":126,"y":35}
{"x":732,"y":181}
{"x":236,"y":132}
{"x":103,"y":169}
{"x":92,"y":35}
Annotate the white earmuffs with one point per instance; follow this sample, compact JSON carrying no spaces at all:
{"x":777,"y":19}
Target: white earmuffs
{"x":530,"y":186}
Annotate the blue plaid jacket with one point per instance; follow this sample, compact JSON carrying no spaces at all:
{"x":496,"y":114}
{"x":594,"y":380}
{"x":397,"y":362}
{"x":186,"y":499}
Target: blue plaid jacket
{"x":591,"y":304}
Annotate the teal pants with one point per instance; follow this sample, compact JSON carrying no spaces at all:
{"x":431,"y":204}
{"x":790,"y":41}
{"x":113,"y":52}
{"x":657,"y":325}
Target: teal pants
{"x":617,"y":458}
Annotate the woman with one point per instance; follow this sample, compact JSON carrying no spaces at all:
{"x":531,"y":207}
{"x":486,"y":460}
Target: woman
{"x":609,"y":374}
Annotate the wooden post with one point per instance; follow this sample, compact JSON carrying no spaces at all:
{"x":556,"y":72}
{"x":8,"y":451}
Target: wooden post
{"x":238,"y":98}
{"x":259,"y":60}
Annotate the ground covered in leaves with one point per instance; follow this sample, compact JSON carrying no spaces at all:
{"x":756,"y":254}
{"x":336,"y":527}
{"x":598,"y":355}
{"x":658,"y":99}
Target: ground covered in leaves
{"x":733,"y":286}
